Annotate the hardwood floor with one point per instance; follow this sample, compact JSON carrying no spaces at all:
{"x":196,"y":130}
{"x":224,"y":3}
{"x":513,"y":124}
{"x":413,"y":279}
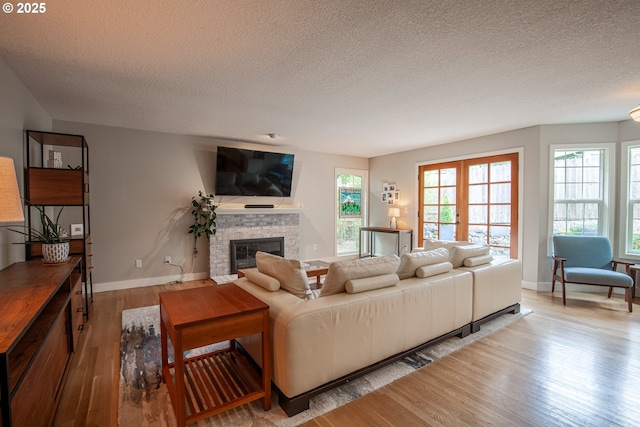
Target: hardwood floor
{"x":575,"y":365}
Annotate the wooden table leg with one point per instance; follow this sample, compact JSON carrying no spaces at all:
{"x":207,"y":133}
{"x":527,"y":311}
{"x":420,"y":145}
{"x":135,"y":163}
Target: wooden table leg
{"x":165,"y":351}
{"x":178,"y":357}
{"x":266,"y":362}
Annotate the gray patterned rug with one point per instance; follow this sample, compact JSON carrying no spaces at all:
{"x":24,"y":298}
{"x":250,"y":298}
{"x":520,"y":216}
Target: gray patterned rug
{"x":144,"y":400}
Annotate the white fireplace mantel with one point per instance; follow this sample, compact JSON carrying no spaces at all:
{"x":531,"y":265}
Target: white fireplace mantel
{"x":250,"y":211}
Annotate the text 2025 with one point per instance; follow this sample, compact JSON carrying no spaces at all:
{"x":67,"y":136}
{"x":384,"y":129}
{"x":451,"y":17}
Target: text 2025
{"x":31,"y":7}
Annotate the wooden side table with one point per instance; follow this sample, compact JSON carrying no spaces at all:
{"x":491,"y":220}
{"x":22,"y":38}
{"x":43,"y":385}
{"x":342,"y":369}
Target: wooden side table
{"x":208,"y":384}
{"x":373,"y":230}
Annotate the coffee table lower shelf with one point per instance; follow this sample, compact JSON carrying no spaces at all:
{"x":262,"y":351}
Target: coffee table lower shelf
{"x":215,"y":382}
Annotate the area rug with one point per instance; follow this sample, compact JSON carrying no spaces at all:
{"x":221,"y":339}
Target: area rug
{"x":144,"y":400}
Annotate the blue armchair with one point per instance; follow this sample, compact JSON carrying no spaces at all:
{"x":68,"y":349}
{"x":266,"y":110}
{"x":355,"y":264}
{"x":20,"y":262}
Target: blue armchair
{"x":588,"y":260}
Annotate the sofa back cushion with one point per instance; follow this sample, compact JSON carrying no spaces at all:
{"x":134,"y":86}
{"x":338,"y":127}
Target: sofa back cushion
{"x":460,"y":253}
{"x":289,"y":272}
{"x":458,"y":250}
{"x":341,"y":271}
{"x":409,"y":262}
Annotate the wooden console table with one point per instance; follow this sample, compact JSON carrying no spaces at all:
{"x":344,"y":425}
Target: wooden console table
{"x":373,"y":230}
{"x":208,"y":384}
{"x":41,"y":317}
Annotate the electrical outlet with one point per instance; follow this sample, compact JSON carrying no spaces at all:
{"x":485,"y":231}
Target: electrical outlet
{"x":167,"y":260}
{"x":138,"y":263}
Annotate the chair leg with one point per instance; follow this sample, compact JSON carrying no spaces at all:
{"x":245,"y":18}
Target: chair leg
{"x":553,"y":285}
{"x":629,"y":293}
{"x":564,"y":294}
{"x":610,"y":291}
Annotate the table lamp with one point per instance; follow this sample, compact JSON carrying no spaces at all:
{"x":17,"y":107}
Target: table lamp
{"x":10,"y":204}
{"x":393,"y":214}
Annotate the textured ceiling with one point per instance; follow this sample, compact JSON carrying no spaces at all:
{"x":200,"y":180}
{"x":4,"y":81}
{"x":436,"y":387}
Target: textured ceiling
{"x":361,"y":78}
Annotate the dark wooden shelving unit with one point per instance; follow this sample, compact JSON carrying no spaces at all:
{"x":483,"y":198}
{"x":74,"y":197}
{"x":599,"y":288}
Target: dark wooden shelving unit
{"x":58,"y":188}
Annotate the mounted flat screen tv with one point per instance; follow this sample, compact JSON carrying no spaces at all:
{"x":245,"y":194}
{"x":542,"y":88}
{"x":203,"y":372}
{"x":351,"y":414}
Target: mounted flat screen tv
{"x":241,"y":172}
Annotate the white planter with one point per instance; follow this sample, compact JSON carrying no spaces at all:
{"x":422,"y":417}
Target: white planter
{"x":55,"y":253}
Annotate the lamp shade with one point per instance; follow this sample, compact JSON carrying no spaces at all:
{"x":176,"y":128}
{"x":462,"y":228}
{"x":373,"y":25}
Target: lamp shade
{"x":10,"y":204}
{"x":635,"y":114}
{"x":394,"y":212}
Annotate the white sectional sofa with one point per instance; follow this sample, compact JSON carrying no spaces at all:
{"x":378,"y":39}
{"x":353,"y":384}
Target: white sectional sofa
{"x":369,"y":312}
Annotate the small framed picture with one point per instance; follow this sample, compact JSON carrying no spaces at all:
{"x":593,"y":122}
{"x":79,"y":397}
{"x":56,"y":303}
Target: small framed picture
{"x":385,"y":186}
{"x":392,"y":187}
{"x":396,"y":195}
{"x":77,"y":229}
{"x":390,"y":201}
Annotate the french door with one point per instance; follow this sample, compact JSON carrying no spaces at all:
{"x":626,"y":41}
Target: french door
{"x":474,"y":200}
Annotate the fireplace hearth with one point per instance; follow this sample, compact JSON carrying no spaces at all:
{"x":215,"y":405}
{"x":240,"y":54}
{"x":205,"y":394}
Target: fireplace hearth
{"x":243,"y":251}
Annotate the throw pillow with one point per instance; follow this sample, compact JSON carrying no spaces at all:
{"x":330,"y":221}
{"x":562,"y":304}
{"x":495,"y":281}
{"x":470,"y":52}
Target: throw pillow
{"x":460,"y":253}
{"x":355,"y":286}
{"x":269,"y":283}
{"x":478,"y":260}
{"x":289,"y":273}
{"x":409,"y":262}
{"x":341,"y":271}
{"x":433,"y":269}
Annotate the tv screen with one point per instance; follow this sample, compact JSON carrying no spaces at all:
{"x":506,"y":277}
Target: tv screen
{"x":241,"y":172}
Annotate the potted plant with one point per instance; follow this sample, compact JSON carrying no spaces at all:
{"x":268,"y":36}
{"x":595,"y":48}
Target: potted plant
{"x":204,"y":215}
{"x":55,"y":243}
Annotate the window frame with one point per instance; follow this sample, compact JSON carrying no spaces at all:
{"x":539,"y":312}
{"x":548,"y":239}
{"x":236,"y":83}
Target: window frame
{"x":364,"y":173}
{"x":626,"y":215}
{"x":606,"y":221}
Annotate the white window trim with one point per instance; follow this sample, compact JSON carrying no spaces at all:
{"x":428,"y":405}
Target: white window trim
{"x":365,"y":203}
{"x":608,"y":187}
{"x":625,"y":218}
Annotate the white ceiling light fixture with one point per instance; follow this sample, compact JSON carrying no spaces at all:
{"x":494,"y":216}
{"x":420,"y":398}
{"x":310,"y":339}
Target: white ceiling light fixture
{"x":635,"y":114}
{"x":273,"y":135}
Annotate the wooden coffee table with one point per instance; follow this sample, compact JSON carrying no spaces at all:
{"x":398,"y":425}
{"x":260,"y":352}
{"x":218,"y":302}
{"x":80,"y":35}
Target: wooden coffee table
{"x":207,"y":384}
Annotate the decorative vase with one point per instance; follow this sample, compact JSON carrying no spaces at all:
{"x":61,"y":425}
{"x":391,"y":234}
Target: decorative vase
{"x":55,"y":253}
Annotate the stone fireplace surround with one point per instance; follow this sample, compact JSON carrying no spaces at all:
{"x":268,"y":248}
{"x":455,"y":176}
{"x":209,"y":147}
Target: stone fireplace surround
{"x":236,"y":224}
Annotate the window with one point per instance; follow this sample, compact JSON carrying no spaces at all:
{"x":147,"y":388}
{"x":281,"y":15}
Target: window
{"x":581,"y":191}
{"x":351,"y":203}
{"x":631,"y":213}
{"x":473,"y":199}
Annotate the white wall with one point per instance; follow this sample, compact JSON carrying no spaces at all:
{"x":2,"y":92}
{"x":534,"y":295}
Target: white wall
{"x":141,"y":188}
{"x":18,"y":111}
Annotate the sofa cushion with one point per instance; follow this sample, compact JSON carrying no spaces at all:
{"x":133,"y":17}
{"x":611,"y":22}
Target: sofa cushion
{"x":355,"y":286}
{"x":269,"y":283}
{"x":341,"y":271}
{"x":409,"y":262}
{"x":434,"y":269}
{"x":460,"y":253}
{"x":289,"y":272}
{"x":430,"y":244}
{"x":477,"y":260}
